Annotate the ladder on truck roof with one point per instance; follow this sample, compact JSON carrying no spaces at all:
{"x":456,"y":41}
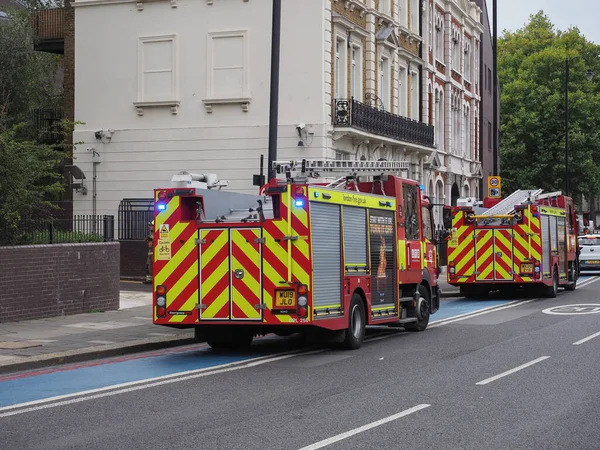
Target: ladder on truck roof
{"x":507,"y":205}
{"x":316,"y":167}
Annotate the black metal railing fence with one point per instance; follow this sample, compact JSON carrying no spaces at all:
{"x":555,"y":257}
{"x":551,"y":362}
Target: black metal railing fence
{"x":81,"y":228}
{"x":352,"y":113}
{"x":135,"y":216}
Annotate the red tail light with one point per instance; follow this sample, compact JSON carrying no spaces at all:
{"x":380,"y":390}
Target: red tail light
{"x":452,"y":270}
{"x":302,"y":300}
{"x":537,"y":269}
{"x":162,"y":195}
{"x":302,"y":289}
{"x":161,"y":301}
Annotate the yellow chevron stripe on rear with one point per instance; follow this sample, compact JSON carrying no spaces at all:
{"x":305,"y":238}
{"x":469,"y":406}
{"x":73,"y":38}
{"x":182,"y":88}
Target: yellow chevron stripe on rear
{"x":183,"y":282}
{"x":189,"y":305}
{"x":247,"y":309}
{"x":164,"y":216}
{"x":209,"y":282}
{"x":188,"y":247}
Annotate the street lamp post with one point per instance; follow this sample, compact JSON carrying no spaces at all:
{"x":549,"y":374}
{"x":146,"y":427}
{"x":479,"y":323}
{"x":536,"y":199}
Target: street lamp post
{"x":495,"y":154}
{"x":274,"y":92}
{"x":589,"y":75}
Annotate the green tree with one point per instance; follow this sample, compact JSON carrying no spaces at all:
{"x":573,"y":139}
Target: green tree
{"x":531,"y":71}
{"x":28,"y":79}
{"x":30,"y":178}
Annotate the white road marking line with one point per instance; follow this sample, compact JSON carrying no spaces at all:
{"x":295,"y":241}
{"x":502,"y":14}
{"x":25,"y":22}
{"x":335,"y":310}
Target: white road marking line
{"x":590,"y":281}
{"x":465,"y":316}
{"x":589,"y":338}
{"x":347,"y":434}
{"x":488,"y":309}
{"x":511,"y":371}
{"x":480,"y":313}
{"x":132,"y":386}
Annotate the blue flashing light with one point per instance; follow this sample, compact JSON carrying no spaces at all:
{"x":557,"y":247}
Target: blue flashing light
{"x":316,"y":194}
{"x":299,"y":203}
{"x":421,"y":187}
{"x":161,"y":206}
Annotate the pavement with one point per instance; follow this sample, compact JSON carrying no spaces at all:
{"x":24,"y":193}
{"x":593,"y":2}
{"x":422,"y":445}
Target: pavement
{"x":32,"y":344}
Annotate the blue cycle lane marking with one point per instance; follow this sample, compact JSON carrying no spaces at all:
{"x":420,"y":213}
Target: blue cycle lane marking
{"x":31,"y":386}
{"x":452,"y":308}
{"x":48,"y":385}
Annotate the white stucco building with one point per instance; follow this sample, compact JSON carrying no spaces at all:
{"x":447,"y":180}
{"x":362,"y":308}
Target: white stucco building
{"x":168,"y":85}
{"x":452,"y":32}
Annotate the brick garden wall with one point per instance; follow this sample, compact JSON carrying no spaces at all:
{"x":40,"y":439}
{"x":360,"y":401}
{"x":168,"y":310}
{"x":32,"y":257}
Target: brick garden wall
{"x":39,"y":281}
{"x":133,"y":260}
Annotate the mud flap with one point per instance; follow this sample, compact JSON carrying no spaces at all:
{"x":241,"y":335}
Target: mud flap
{"x":436,"y":293}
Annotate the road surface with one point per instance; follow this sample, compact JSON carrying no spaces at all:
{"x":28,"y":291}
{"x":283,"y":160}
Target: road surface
{"x":495,"y":374}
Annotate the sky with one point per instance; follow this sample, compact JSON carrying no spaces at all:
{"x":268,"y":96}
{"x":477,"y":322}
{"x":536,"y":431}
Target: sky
{"x":513,"y":14}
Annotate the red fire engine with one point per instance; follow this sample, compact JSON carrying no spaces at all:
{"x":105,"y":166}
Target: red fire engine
{"x":528,"y":239}
{"x":311,"y":254}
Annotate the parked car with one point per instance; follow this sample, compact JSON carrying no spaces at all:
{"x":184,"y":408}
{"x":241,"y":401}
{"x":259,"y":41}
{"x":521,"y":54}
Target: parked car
{"x":589,"y":258}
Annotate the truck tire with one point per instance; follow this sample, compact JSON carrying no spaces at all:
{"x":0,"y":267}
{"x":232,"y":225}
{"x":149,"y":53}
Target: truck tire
{"x":422,"y":311}
{"x":574,"y":275}
{"x":552,"y":291}
{"x":357,"y":320}
{"x":474,"y":292}
{"x":228,"y":339}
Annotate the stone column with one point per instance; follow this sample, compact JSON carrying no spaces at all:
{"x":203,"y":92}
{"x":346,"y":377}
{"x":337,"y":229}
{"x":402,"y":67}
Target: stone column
{"x":371,"y":53}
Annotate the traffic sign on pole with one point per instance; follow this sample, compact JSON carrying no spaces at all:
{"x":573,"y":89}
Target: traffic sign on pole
{"x":494,"y":186}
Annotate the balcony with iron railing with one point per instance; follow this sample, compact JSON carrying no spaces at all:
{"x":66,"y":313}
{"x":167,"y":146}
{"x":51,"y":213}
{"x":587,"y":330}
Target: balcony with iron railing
{"x":350,"y":113}
{"x":49,"y":26}
{"x":46,"y":123}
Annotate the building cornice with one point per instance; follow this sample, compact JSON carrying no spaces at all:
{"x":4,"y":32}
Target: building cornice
{"x":139,"y":3}
{"x":344,"y":22}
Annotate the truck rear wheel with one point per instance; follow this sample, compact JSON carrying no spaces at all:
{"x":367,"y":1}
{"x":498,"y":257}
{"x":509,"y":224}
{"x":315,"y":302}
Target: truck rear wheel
{"x":474,"y":291}
{"x":573,"y":275}
{"x":422,"y":311}
{"x":357,"y":320}
{"x":228,"y":339}
{"x":552,"y":291}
